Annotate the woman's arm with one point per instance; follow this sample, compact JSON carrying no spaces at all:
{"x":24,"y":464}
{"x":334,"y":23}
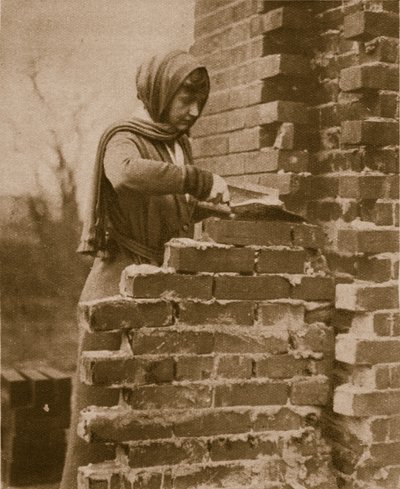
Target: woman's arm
{"x":124,"y":167}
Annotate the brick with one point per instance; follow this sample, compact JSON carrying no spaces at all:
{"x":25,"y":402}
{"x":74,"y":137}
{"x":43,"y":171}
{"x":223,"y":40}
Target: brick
{"x":281,"y":261}
{"x":368,"y":240}
{"x":282,"y":366}
{"x":385,"y":453}
{"x":198,"y":367}
{"x":385,"y":160}
{"x":280,"y":18}
{"x":368,"y":186}
{"x":103,"y":340}
{"x":251,"y":394}
{"x":16,"y":390}
{"x":352,"y":401}
{"x":282,"y":419}
{"x":366,"y":25}
{"x":375,"y":76}
{"x":314,"y":289}
{"x":108,"y":368}
{"x":167,"y":396}
{"x":370,"y":132}
{"x":281,"y":314}
{"x":141,"y":282}
{"x":246,"y":140}
{"x":259,"y":287}
{"x":234,"y":367}
{"x":265,"y":233}
{"x":383,"y":49}
{"x":119,"y":424}
{"x":212,"y":422}
{"x":240,"y":163}
{"x":141,"y":479}
{"x":210,"y":146}
{"x":234,"y":312}
{"x":386,"y":323}
{"x":366,"y":351}
{"x":158,"y":342}
{"x":258,"y":341}
{"x":366,"y":297}
{"x":314,"y":337}
{"x":313,"y":391}
{"x":168,"y":452}
{"x":105,"y":475}
{"x":115,"y":313}
{"x":249,"y":447}
{"x":205,"y":257}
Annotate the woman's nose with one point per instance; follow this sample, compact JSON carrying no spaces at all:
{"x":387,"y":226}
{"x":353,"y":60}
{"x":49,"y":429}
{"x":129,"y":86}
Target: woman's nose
{"x":194,"y":110}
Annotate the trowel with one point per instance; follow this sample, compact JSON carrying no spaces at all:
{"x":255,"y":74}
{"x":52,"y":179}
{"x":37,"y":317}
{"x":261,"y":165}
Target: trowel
{"x":251,"y":201}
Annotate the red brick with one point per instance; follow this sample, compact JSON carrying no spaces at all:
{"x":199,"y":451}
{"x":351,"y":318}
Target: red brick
{"x":250,"y":447}
{"x":168,"y":452}
{"x":259,"y":287}
{"x":210,"y":146}
{"x":115,"y":313}
{"x":368,"y":240}
{"x":375,"y":76}
{"x":281,"y":18}
{"x":212,"y":422}
{"x":368,"y":186}
{"x":103,"y":340}
{"x":155,"y":285}
{"x":367,"y":25}
{"x":265,"y":233}
{"x":366,"y":351}
{"x":251,"y":394}
{"x":121,"y":424}
{"x":167,"y":396}
{"x":281,"y":314}
{"x":311,"y":392}
{"x":199,"y":257}
{"x":366,"y":297}
{"x":158,"y":342}
{"x":194,"y":367}
{"x":234,"y":367}
{"x":370,"y":132}
{"x":109,"y":368}
{"x":141,"y":479}
{"x":235,"y":312}
{"x":314,"y":289}
{"x":251,"y":342}
{"x":281,"y":366}
{"x":351,"y":401}
{"x":281,"y":261}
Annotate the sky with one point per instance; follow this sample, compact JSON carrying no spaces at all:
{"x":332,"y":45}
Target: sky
{"x":67,"y":71}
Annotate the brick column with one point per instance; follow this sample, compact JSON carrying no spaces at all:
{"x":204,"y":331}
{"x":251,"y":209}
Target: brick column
{"x":223,"y":366}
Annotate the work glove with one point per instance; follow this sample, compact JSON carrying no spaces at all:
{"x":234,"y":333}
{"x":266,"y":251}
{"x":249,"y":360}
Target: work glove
{"x":219,"y":192}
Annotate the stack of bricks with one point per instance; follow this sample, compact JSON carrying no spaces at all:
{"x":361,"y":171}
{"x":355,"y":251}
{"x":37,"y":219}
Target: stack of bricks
{"x":223,"y":366}
{"x":35,"y":416}
{"x":355,"y":162}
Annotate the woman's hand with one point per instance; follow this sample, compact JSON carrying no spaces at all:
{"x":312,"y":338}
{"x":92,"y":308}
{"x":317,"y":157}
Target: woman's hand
{"x":219,"y":192}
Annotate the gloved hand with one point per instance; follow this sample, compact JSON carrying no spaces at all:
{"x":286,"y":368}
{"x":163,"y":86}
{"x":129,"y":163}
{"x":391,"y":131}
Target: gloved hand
{"x":219,"y":191}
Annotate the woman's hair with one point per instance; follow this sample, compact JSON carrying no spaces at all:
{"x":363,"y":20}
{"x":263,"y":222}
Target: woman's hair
{"x":197,"y":81}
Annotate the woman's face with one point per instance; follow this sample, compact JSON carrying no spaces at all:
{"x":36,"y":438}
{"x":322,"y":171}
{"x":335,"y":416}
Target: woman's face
{"x":185,"y":108}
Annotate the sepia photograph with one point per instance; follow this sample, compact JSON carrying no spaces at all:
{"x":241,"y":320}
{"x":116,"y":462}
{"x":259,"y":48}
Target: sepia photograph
{"x":199,"y":260}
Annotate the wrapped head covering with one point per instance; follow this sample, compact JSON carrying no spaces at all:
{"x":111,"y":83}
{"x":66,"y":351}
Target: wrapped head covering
{"x":157,"y":81}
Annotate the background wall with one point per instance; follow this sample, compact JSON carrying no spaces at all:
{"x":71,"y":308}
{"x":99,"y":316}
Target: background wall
{"x":67,"y":71}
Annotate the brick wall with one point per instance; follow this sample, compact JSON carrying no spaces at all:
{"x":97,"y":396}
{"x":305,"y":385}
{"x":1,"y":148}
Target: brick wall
{"x":305,"y":99}
{"x":223,"y":366}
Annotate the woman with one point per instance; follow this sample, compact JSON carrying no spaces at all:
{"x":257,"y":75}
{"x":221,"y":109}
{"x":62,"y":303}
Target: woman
{"x":145,"y":192}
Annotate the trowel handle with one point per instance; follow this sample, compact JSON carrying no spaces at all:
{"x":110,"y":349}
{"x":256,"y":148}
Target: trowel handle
{"x":216,"y":209}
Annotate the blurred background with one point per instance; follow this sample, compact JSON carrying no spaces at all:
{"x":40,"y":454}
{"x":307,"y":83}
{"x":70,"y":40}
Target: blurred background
{"x":67,"y":71}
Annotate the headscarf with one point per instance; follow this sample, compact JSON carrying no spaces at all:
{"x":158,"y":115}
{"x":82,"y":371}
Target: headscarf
{"x":157,"y":81}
